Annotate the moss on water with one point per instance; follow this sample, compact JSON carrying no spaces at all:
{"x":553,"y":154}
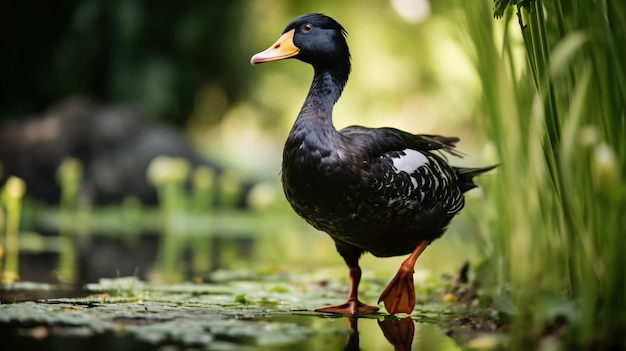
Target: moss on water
{"x":229,"y":315}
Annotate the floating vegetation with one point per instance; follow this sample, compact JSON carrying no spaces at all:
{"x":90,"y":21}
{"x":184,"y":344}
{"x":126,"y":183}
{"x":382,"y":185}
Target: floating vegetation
{"x":254,"y":315}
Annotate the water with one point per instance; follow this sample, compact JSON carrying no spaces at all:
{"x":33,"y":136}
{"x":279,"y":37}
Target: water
{"x":128,"y":314}
{"x":287,"y":332}
{"x":344,"y":333}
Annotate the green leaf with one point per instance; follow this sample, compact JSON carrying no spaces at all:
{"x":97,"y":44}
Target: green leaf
{"x":279,"y":289}
{"x":499,"y":6}
{"x":241,"y":298}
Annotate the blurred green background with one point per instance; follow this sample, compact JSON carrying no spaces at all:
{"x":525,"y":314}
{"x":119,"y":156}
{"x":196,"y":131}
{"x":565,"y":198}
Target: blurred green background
{"x":187,"y":65}
{"x":540,"y":89}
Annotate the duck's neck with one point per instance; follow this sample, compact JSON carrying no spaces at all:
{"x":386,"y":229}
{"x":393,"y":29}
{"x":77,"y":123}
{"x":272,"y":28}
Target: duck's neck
{"x":325,"y":90}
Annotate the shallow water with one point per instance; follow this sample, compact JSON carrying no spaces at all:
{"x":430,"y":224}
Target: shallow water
{"x":344,"y":333}
{"x":127,"y":314}
{"x":284,"y":332}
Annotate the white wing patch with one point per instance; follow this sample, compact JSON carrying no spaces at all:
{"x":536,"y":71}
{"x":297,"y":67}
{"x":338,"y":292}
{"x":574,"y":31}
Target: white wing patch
{"x":409,"y":162}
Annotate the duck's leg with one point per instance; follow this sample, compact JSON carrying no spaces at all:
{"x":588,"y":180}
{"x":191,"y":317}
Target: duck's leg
{"x":399,"y":295}
{"x":353,"y":306}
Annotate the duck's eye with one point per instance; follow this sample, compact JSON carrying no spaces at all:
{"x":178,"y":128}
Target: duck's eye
{"x":307,"y":28}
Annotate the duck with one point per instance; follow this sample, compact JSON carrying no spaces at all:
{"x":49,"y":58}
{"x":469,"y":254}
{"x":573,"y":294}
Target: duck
{"x":381,"y":191}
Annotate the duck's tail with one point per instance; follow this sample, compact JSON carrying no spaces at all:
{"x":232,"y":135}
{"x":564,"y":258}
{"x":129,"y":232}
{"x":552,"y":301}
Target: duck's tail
{"x":466,"y":176}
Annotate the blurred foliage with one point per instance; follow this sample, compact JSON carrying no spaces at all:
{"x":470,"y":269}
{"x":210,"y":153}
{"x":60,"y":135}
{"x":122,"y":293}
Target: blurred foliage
{"x":499,"y":6}
{"x":175,"y":59}
{"x":11,"y":195}
{"x":554,"y":103}
{"x":153,"y":53}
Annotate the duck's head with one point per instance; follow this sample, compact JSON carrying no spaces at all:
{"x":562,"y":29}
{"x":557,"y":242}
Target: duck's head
{"x":313,"y":38}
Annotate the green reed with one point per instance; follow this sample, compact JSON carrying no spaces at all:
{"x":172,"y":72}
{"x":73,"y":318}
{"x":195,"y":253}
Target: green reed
{"x":11,"y":198}
{"x":169,"y":175}
{"x":203,"y":181}
{"x":69,"y":176}
{"x":554,"y":104}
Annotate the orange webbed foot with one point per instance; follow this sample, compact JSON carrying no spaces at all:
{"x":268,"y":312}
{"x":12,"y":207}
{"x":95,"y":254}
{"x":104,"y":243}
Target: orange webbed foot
{"x":351,"y":308}
{"x":399,"y":295}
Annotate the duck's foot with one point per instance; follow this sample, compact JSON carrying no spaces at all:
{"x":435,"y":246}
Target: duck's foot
{"x":352,"y":307}
{"x":399,"y":295}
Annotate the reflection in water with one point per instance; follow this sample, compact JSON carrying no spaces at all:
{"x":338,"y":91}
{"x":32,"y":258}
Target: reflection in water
{"x":399,"y":335}
{"x":399,"y":332}
{"x":390,"y":333}
{"x":353,"y":338}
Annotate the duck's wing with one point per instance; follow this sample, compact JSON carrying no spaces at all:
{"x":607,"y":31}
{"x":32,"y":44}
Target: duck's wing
{"x":382,"y":140}
{"x":407,"y":168}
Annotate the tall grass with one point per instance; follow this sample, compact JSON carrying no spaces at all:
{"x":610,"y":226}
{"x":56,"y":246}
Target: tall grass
{"x":554,"y":103}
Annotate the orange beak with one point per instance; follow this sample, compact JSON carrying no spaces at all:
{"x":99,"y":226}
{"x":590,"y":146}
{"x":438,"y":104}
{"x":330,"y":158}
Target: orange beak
{"x":283,"y":48}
